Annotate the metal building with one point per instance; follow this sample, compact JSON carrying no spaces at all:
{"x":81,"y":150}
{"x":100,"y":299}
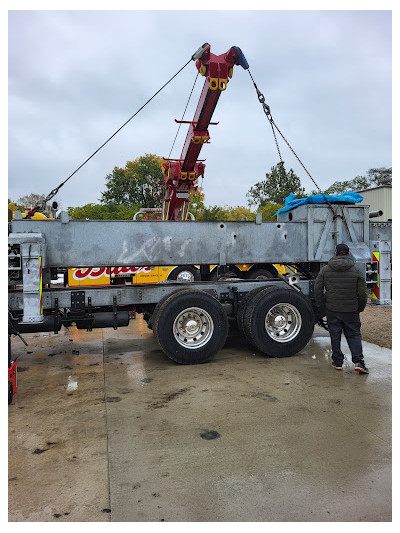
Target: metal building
{"x":379,"y":199}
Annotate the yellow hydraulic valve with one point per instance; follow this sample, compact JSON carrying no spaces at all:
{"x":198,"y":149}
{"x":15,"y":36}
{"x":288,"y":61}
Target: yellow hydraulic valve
{"x":198,"y":139}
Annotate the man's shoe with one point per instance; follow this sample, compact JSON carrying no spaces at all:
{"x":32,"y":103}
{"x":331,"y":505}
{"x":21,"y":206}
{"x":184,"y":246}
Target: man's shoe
{"x":338,"y":366}
{"x":360,"y":367}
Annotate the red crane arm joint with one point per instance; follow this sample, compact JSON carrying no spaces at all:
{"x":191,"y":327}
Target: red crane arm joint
{"x":181,"y":175}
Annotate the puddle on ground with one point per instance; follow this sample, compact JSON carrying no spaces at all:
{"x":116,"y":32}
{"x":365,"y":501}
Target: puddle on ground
{"x":377,"y":359}
{"x":72,"y":384}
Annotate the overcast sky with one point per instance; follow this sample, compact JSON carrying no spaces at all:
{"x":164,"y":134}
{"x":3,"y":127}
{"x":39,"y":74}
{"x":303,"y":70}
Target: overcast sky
{"x":76,"y":76}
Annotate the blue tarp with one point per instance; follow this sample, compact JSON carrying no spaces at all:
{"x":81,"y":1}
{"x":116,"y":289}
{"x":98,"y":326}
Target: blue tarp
{"x":347,"y":197}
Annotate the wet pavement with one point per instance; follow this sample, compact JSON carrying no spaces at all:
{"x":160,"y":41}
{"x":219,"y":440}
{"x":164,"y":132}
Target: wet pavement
{"x":104,"y":427}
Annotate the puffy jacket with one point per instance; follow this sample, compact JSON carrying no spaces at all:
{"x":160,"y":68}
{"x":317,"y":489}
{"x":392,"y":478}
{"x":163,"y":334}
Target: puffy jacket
{"x":344,"y":284}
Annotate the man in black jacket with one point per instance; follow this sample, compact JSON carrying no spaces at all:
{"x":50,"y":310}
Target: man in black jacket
{"x":344,"y":298}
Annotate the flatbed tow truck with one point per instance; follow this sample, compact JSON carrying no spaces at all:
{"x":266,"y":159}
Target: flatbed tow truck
{"x":191,"y":321}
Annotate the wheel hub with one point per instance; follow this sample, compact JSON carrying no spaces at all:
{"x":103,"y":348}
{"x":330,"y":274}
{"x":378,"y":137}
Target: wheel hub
{"x":193,"y":328}
{"x":189,"y":326}
{"x":185,"y":275}
{"x":280,"y":321}
{"x":283,"y":322}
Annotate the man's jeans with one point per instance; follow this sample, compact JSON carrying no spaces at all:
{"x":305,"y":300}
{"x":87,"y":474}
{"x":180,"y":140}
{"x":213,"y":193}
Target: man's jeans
{"x":349,"y":324}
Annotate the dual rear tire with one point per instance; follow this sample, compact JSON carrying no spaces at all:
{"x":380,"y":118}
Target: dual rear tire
{"x":191,"y":326}
{"x":277,"y":321}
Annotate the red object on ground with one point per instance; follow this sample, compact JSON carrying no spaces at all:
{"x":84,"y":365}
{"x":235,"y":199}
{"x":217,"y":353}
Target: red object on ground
{"x":12,"y":375}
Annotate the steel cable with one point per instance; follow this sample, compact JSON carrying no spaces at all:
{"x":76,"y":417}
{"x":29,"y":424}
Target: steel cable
{"x":55,"y":191}
{"x":183,"y":116}
{"x":267,"y":112}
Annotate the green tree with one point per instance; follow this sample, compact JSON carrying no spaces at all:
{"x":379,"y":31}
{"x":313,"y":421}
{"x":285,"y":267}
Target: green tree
{"x":239,"y":213}
{"x":136,"y":184}
{"x":277,"y":185}
{"x":30,"y":200}
{"x":373,"y":178}
{"x":213,"y":213}
{"x":196,"y":206}
{"x":111,"y":211}
{"x":14,"y":206}
{"x":339,"y":187}
{"x":357,"y":184}
{"x":268,"y":210}
{"x":380,"y":176}
{"x":228,"y":213}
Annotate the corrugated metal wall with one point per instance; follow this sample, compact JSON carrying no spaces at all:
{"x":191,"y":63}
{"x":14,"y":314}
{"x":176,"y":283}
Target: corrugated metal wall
{"x":379,"y":198}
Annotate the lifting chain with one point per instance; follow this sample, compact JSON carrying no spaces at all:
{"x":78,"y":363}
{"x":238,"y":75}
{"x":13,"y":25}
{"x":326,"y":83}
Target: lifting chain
{"x":42,"y":204}
{"x":267,"y":111}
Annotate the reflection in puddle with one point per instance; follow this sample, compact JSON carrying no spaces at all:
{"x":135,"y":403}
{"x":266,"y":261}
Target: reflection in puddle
{"x":378,"y":358}
{"x":323,"y":344}
{"x":72,"y":385}
{"x":136,"y":371}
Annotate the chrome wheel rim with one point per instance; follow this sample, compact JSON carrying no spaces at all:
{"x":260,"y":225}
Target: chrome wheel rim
{"x":283,"y":322}
{"x":193,"y":328}
{"x":186,"y":276}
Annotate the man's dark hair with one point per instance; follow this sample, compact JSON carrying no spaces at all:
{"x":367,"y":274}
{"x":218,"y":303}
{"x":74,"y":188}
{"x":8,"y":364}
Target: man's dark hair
{"x":342,"y":249}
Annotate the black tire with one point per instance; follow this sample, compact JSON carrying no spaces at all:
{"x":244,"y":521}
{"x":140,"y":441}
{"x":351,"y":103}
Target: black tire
{"x":259,"y":273}
{"x":279,"y":322}
{"x":10,"y":392}
{"x":187,"y":274}
{"x":199,"y":335}
{"x":154,"y":315}
{"x":247,"y":298}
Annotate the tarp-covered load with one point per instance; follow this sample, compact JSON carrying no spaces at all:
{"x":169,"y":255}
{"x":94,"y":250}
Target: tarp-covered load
{"x":348,"y":197}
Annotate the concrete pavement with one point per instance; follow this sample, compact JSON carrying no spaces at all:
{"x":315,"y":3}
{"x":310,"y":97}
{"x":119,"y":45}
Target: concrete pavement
{"x":104,"y":427}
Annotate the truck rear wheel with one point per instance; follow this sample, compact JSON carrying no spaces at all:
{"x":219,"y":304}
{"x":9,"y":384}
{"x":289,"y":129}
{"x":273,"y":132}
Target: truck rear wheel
{"x":187,"y":274}
{"x":279,"y":322}
{"x":247,"y":298}
{"x":156,"y":311}
{"x":191,"y":326}
{"x":259,"y":273}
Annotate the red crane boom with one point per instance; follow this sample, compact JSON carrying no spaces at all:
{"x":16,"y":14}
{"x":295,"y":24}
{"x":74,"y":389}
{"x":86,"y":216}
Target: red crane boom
{"x":181,"y":175}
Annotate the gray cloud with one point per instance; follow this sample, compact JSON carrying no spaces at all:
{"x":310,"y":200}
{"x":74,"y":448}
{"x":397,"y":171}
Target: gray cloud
{"x":76,"y":76}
